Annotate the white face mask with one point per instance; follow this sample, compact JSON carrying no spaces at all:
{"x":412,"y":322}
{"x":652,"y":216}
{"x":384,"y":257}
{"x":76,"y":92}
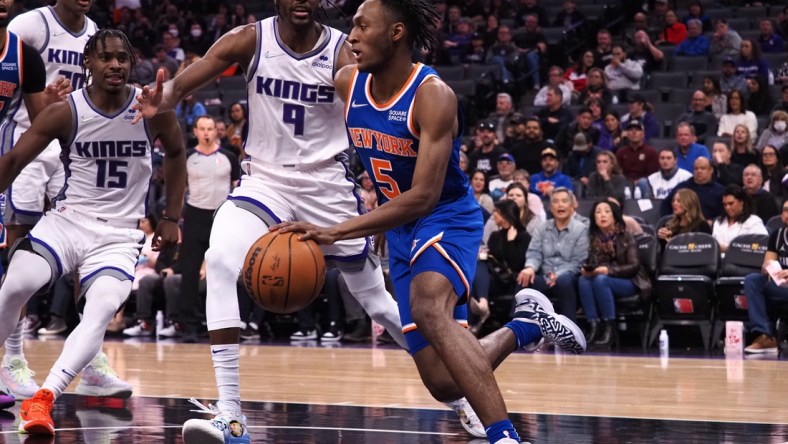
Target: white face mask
{"x":196,"y":33}
{"x":779,"y":126}
{"x":174,"y":32}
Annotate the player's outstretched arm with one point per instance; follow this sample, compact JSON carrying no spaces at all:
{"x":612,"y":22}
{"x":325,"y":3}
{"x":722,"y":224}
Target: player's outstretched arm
{"x":435,"y":113}
{"x":54,"y":122}
{"x":237,"y":46}
{"x":165,"y":126}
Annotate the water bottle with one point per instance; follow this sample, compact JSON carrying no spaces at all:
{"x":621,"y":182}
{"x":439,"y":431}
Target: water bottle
{"x":627,"y":193}
{"x":663,"y":344}
{"x":159,"y":322}
{"x":638,"y":194}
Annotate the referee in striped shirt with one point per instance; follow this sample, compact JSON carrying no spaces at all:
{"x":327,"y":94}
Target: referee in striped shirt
{"x":212,"y":172}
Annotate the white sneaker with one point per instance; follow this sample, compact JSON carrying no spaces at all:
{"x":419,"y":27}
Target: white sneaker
{"x":304,"y":335}
{"x":170,"y":331}
{"x":17,"y":377}
{"x":470,"y":422}
{"x":99,"y":379}
{"x":141,"y":329}
{"x":227,"y":427}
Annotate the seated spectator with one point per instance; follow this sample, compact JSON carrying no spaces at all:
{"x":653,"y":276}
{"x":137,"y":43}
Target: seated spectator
{"x":703,"y":122}
{"x":730,"y":80}
{"x":716,"y":102}
{"x":687,"y":150}
{"x":750,"y":62}
{"x":580,"y":162}
{"x":696,"y":44}
{"x":479,"y":186}
{"x":773,"y":171}
{"x":504,"y":110}
{"x":607,"y":180}
{"x":526,"y":144}
{"x":702,"y":183}
{"x":696,"y":13}
{"x":687,"y":216}
{"x":189,"y":110}
{"x":237,"y":128}
{"x":603,"y":51}
{"x":656,"y":18}
{"x":761,"y":291}
{"x":782,"y":77}
{"x":485,"y":157}
{"x":532,"y":46}
{"x":500,"y":8}
{"x":769,"y":41}
{"x":674,"y":32}
{"x":724,"y":41}
{"x":611,"y":270}
{"x":577,"y":73}
{"x":458,"y":40}
{"x":644,"y":52}
{"x":622,"y":74}
{"x":531,"y":7}
{"x":725,"y":172}
{"x":783,"y":105}
{"x":738,"y":218}
{"x":502,"y":52}
{"x":775,"y":134}
{"x":641,"y":110}
{"x":518,"y":193}
{"x":555,"y":115}
{"x":669,"y":175}
{"x":760,"y":101}
{"x":639,"y":23}
{"x":583,"y":125}
{"x":610,"y":135}
{"x":570,"y":18}
{"x":596,"y":88}
{"x":737,"y":114}
{"x":555,"y":79}
{"x":557,"y":250}
{"x":637,"y":159}
{"x":535,"y":204}
{"x":764,"y":204}
{"x":475,"y":52}
{"x":498,"y":183}
{"x":741,"y":147}
{"x":544,"y":183}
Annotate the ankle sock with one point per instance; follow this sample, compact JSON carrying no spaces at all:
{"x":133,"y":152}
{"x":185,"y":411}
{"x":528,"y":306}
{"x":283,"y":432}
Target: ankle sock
{"x":525,"y":332}
{"x":500,"y":430}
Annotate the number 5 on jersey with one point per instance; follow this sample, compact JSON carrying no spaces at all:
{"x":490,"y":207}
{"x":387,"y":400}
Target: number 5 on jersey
{"x":388,"y":186}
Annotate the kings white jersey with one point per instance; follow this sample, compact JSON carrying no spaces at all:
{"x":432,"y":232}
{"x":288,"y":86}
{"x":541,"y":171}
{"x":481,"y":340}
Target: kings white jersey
{"x":59,"y":47}
{"x":295,"y":115}
{"x":107,"y":161}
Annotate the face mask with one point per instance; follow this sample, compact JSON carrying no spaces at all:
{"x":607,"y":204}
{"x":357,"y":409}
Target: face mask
{"x":779,"y":126}
{"x":174,"y":32}
{"x":196,"y":33}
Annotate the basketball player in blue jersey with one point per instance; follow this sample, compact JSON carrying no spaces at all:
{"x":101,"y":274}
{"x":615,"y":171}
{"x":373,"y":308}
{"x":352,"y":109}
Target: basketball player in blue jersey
{"x":295,"y":169}
{"x":405,"y":125}
{"x":92,"y":227}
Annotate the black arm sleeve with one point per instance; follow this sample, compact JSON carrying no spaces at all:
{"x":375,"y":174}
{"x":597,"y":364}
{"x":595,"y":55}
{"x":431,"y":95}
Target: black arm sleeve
{"x":33,"y":70}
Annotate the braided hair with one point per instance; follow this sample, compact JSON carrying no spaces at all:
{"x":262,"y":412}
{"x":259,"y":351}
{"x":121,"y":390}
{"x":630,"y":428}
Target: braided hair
{"x":101,"y":36}
{"x":420,"y":19}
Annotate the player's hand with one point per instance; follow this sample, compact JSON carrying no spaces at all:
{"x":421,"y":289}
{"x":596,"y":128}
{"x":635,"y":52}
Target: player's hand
{"x":58,"y":90}
{"x":148,"y":102}
{"x":166,"y":234}
{"x":379,"y":244}
{"x":321,"y":235}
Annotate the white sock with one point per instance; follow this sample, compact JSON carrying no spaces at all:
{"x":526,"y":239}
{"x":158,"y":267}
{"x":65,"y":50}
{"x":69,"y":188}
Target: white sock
{"x":226,"y":359}
{"x":59,"y":378}
{"x":13,"y":345}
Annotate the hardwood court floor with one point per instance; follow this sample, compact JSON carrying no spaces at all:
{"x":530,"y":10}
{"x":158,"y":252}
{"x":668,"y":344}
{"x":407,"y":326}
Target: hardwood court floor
{"x":559,"y":398}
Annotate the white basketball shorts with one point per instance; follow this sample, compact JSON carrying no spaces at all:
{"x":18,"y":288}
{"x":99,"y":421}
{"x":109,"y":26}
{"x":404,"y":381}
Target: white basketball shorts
{"x":43,"y":177}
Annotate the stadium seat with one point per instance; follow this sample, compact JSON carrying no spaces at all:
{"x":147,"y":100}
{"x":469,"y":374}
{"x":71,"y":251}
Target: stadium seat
{"x":662,"y":142}
{"x":451,"y":73}
{"x":232,"y":83}
{"x":553,"y":35}
{"x":466,"y":88}
{"x":775,"y":61}
{"x":751,"y":13}
{"x":719,"y":13}
{"x":685,"y":285}
{"x":687,"y":64}
{"x":669,"y":80}
{"x":638,"y":209}
{"x":739,"y":24}
{"x":681,"y":95}
{"x":774,"y":223}
{"x":476,"y":72}
{"x":635,"y":310}
{"x":698,"y":76}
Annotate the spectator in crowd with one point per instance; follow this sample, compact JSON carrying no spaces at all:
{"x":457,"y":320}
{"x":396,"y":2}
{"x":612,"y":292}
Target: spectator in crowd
{"x":702,"y":183}
{"x":197,"y":41}
{"x":725,"y":172}
{"x":687,"y":216}
{"x":557,"y":250}
{"x":622,"y":74}
{"x":490,"y":31}
{"x":649,"y":56}
{"x":500,"y":8}
{"x":603,"y":52}
{"x":687,"y":150}
{"x":531,"y":219}
{"x":555,"y":115}
{"x":239,"y":15}
{"x":702,"y":121}
{"x":773,"y":172}
{"x":764,"y":203}
{"x":637,"y":159}
{"x":464,"y":163}
{"x":611,"y":136}
{"x":580,"y":161}
{"x":189,"y":110}
{"x":535,"y":204}
{"x":729,"y":79}
{"x":639,"y":23}
{"x":724,"y":41}
{"x":475,"y":52}
{"x":531,"y":7}
{"x":504,"y":109}
{"x":750,"y":62}
{"x":143,"y":73}
{"x":527,"y":144}
{"x":674,"y":32}
{"x":485,"y":156}
{"x":218,"y":27}
{"x":656,"y":18}
{"x":171,"y":43}
{"x":458,"y":40}
{"x":578,"y":73}
{"x":640,"y":110}
{"x":783,"y":105}
{"x":368,"y":195}
{"x":760,"y":100}
{"x":669,"y":175}
{"x":583,"y":125}
{"x":716,"y":102}
{"x":498,"y":183}
{"x":555,"y":80}
{"x":597,"y":112}
{"x":237,"y":129}
{"x":165,"y":281}
{"x":550,"y":178}
{"x":501,"y":52}
{"x":762,"y":291}
{"x":606,"y":180}
{"x":479,"y":185}
{"x":570,"y":18}
{"x":696,"y":13}
{"x":737,"y":115}
{"x":162,"y":60}
{"x":596,"y":88}
{"x":696,"y":44}
{"x":224,"y":141}
{"x":743,"y":153}
{"x":769,"y":41}
{"x":737,"y":219}
{"x":775,"y":134}
{"x":611,"y":270}
{"x":532,"y":46}
{"x":473,"y":9}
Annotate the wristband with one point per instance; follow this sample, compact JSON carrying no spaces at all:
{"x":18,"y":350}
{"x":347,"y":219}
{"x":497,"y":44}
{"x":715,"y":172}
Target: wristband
{"x":169,"y":219}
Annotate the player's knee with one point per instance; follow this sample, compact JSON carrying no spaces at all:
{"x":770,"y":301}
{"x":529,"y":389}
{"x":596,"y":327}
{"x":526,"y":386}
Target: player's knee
{"x":443,"y":389}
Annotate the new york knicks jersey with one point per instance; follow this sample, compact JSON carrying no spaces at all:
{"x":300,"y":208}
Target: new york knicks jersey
{"x":107,"y":161}
{"x":60,"y":49}
{"x":10,"y":75}
{"x":387,"y":141}
{"x":295,"y":113}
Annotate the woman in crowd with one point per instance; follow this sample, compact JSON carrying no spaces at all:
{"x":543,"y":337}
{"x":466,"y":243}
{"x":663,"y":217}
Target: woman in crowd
{"x":776,"y":133}
{"x":742,"y":152}
{"x":607,"y":180}
{"x":696,"y":12}
{"x":535,"y":204}
{"x":236,"y":131}
{"x":750,"y":62}
{"x":716,"y":102}
{"x":479,"y":185}
{"x":687,"y":217}
{"x":596,"y":87}
{"x":597,"y":112}
{"x":736,"y":114}
{"x":725,"y":172}
{"x":518,"y":193}
{"x":611,"y":135}
{"x":611,"y":270}
{"x":773,"y":171}
{"x":760,"y":100}
{"x":674,"y":33}
{"x":578,"y":73}
{"x":737,"y":219}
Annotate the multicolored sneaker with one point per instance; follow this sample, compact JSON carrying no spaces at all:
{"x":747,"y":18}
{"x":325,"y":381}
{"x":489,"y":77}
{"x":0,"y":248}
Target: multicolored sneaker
{"x":227,"y":427}
{"x":6,"y":400}
{"x":99,"y":379}
{"x":470,"y":422}
{"x":35,"y":414}
{"x":534,"y":307}
{"x":17,"y":377}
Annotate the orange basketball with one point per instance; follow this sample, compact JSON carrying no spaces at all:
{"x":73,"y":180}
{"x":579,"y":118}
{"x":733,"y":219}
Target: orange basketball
{"x":282,"y":273}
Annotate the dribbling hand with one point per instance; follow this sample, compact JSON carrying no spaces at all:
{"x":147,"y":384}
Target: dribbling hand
{"x":148,"y":102}
{"x":321,"y":235}
{"x":166,"y":234}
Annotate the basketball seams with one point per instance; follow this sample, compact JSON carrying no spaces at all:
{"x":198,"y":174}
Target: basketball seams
{"x":289,"y":268}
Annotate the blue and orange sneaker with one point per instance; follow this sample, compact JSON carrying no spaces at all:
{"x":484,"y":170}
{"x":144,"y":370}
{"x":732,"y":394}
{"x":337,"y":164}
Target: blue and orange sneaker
{"x":35,"y":414}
